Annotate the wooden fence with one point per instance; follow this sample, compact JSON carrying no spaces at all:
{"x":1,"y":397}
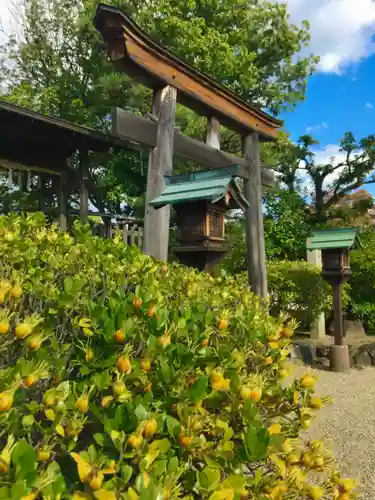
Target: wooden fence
{"x":130,"y":228}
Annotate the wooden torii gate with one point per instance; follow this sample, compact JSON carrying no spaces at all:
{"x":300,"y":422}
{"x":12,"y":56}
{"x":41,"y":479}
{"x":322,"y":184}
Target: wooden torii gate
{"x":172,"y":81}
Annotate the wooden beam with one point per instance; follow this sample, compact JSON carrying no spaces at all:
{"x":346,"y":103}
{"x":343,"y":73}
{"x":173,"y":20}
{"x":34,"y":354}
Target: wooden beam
{"x":84,"y":193}
{"x":256,"y":257}
{"x":156,"y":224}
{"x":134,"y":52}
{"x":129,"y":126}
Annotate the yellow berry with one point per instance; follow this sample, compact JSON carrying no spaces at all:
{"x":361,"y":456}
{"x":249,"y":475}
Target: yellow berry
{"x":89,"y":355}
{"x":32,"y":379}
{"x":82,"y":404}
{"x":316,"y":492}
{"x":135,"y":441}
{"x":223,"y":324}
{"x":119,"y":388}
{"x":184,"y":441}
{"x":123,"y":365}
{"x":44,"y":455}
{"x":150,"y":427}
{"x":137,"y":302}
{"x":316,"y":403}
{"x":267,"y":361}
{"x":151,"y":311}
{"x":96,"y":481}
{"x":106,"y":401}
{"x":4,"y":328}
{"x":6,"y":401}
{"x":205,"y":342}
{"x":23,"y":330}
{"x":275,"y":429}
{"x":164,"y":340}
{"x":16,"y":292}
{"x":119,"y":336}
{"x":35,"y":342}
{"x":146,"y":365}
{"x":308,"y":381}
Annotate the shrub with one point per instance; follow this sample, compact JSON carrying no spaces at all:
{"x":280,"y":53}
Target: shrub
{"x":362,"y":296}
{"x":122,"y":378}
{"x":296,"y":288}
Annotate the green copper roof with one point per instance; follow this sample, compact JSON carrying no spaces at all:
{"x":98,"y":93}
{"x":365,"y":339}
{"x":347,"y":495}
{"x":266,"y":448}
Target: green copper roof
{"x":342,"y":237}
{"x":211,"y":185}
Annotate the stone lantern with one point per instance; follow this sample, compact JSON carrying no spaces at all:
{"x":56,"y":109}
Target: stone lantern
{"x":335,"y":245}
{"x":201,"y":200}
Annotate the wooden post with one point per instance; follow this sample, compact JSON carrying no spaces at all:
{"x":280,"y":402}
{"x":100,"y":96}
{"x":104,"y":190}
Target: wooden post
{"x":256,"y":256}
{"x":213,"y":133}
{"x":63,"y":203}
{"x":318,"y":328}
{"x":337,"y":311}
{"x":156,"y":225}
{"x":84,"y":198}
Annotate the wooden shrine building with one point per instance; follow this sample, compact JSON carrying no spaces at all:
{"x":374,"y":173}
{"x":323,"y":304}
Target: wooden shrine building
{"x":40,"y":145}
{"x":172,"y":80}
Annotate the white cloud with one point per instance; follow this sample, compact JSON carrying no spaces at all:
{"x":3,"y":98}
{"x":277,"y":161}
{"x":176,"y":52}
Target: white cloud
{"x":315,"y":128}
{"x":341,"y":30}
{"x":369,"y":105}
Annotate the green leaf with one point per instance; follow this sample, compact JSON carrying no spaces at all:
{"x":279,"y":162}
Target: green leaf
{"x":126,"y":473}
{"x":173,"y":465}
{"x":257,"y":441}
{"x":141,"y":413}
{"x":198,"y":389}
{"x":209,"y":478}
{"x":173,"y":426}
{"x":28,"y":420}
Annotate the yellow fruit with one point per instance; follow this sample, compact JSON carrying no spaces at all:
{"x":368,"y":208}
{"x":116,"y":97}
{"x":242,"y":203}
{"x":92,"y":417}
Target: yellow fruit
{"x":4,"y":328}
{"x":305,"y":424}
{"x":287,"y":332}
{"x":221,"y":385}
{"x":293,"y":459}
{"x":137,"y":302}
{"x":267,"y":361}
{"x":16,"y":292}
{"x":4,"y":466}
{"x":44,"y":455}
{"x":307,"y":459}
{"x":283,"y":373}
{"x":73,"y":429}
{"x":106,"y":401}
{"x":150,"y":427}
{"x":6,"y":401}
{"x":308,"y":381}
{"x":82,"y":404}
{"x":205,"y":342}
{"x":253,"y":394}
{"x":316,"y":492}
{"x":319,"y":461}
{"x":135,"y":441}
{"x":119,"y":388}
{"x":123,"y":365}
{"x":31,"y":380}
{"x":164,"y":340}
{"x":119,"y":336}
{"x":274,"y":430}
{"x":146,"y":365}
{"x":96,"y":481}
{"x":347,"y":485}
{"x":287,"y":447}
{"x":151,"y":311}
{"x":184,"y":441}
{"x":89,"y":355}
{"x":316,"y":403}
{"x":245,"y":393}
{"x":23,"y":330}
{"x":146,"y":479}
{"x":223,"y":324}
{"x":35,"y":342}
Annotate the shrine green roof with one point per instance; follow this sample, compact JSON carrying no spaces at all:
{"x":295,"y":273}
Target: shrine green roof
{"x":343,"y":237}
{"x":210,"y":185}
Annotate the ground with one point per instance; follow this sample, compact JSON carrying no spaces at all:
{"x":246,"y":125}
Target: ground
{"x":349,"y":424}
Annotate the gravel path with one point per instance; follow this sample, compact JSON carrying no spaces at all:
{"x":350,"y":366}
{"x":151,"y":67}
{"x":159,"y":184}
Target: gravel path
{"x":349,"y":424}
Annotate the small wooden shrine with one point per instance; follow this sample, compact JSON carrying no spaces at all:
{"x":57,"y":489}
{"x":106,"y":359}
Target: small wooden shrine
{"x":201,"y":200}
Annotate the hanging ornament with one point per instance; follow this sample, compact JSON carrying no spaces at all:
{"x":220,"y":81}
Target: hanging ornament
{"x":28,"y":184}
{"x":10,"y":178}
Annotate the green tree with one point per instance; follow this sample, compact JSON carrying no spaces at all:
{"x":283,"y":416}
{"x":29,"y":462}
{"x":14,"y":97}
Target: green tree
{"x":324,"y":185}
{"x":58,"y":66}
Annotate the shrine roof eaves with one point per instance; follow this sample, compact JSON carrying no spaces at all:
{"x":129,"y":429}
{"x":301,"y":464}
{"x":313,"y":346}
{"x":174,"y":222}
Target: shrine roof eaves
{"x":135,"y":53}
